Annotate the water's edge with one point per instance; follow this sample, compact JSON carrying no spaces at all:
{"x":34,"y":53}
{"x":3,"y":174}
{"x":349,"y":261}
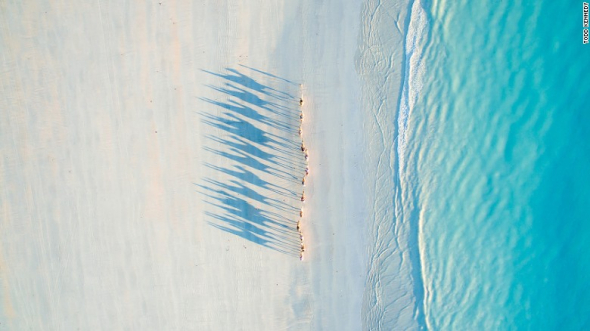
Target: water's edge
{"x":385,"y":62}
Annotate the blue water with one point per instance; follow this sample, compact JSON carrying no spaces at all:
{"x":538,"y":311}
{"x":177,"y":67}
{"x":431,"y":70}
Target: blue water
{"x":488,"y":130}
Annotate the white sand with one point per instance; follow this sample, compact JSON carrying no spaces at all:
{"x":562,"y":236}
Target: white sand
{"x":128,"y":200}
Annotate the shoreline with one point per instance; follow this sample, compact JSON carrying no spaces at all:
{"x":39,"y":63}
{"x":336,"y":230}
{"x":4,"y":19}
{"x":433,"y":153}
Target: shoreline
{"x":394,"y":289}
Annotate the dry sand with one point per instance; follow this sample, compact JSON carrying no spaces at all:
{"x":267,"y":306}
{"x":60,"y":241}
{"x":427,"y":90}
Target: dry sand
{"x":150,"y":170}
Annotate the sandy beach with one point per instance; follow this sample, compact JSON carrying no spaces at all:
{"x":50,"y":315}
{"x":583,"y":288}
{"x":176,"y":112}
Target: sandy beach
{"x":293,"y":165}
{"x":151,"y":171}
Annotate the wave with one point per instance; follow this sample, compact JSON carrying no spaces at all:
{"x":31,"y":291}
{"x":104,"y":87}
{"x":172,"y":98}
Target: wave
{"x":413,"y":78}
{"x":414,"y":71}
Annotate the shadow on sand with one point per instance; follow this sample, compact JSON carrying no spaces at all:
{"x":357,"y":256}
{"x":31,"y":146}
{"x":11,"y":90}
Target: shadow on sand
{"x":254,"y":185}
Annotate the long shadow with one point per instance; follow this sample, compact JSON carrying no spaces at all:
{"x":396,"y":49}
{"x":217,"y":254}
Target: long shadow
{"x":246,"y":96}
{"x":257,"y":160}
{"x":251,"y":98}
{"x":243,"y":127}
{"x":241,"y":144}
{"x":240,"y":207}
{"x":268,"y":74}
{"x":237,"y":77}
{"x":243,"y":219}
{"x":251,"y":114}
{"x":238,"y":188}
{"x":252,"y":233}
{"x":240,"y":128}
{"x":249,"y":161}
{"x":242,"y":174}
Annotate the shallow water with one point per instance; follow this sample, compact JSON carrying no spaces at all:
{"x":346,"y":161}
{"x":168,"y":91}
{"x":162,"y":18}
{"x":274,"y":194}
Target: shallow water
{"x":488,"y":169}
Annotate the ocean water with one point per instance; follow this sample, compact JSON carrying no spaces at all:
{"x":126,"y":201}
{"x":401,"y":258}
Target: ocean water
{"x":478,"y":114}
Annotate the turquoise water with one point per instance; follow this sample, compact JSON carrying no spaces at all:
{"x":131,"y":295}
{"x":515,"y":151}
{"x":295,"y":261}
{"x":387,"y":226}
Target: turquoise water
{"x":493,"y":166}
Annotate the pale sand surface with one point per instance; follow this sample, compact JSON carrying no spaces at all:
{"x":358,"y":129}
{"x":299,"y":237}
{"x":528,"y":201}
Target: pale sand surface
{"x":150,"y":168}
